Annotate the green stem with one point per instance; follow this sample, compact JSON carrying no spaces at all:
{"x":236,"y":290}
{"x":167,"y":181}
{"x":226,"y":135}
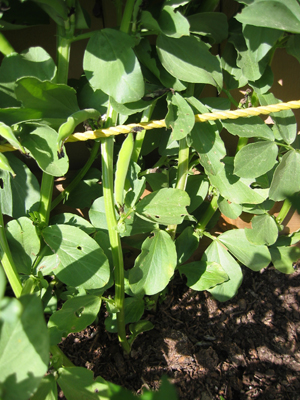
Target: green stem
{"x":127,"y":15}
{"x":212,"y":208}
{"x":231,"y":98}
{"x":78,"y":178}
{"x":5,"y":47}
{"x":46,"y":198}
{"x":8,"y":262}
{"x":139,"y":139}
{"x":63,"y":56}
{"x":284,"y":211}
{"x":241,"y":143}
{"x":107,"y":148}
{"x":59,"y":358}
{"x":182,"y":173}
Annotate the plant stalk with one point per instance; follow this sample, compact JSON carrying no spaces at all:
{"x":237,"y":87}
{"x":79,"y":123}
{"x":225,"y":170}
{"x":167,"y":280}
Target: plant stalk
{"x":107,"y":148}
{"x":5,"y":47}
{"x":182,"y":173}
{"x":127,"y":15}
{"x":8,"y":262}
{"x":287,"y":204}
{"x":212,"y":208}
{"x":139,"y":139}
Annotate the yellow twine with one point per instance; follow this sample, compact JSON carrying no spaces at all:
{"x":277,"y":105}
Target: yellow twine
{"x":243,"y":112}
{"x":123,"y":129}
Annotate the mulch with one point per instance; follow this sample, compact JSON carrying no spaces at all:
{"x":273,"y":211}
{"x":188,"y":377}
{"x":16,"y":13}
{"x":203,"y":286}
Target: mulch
{"x":245,"y":348}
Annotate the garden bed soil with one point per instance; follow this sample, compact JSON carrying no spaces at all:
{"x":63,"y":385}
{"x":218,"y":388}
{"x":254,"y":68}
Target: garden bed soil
{"x":245,"y":348}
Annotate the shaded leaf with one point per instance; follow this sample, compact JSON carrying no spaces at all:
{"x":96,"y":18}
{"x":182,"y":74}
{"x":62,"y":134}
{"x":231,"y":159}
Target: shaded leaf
{"x":83,"y":262}
{"x":104,"y":58}
{"x":155,"y":266}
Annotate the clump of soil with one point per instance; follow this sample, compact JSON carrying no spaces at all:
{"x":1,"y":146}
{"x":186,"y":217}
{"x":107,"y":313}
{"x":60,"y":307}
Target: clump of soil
{"x":245,"y":348}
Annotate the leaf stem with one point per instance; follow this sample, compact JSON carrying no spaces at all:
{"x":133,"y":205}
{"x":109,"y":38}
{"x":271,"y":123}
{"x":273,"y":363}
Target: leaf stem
{"x":8,"y":262}
{"x":46,"y":197}
{"x":107,"y":148}
{"x":127,"y":15}
{"x":204,"y":220}
{"x":287,"y":204}
{"x":65,"y":193}
{"x":182,"y":173}
{"x":139,"y":139}
{"x":5,"y":47}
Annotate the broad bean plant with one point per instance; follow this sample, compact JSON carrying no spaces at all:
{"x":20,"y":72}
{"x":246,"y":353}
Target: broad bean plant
{"x":153,"y":64}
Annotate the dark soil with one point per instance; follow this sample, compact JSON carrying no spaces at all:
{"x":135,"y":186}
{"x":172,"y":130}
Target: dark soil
{"x":246,"y":348}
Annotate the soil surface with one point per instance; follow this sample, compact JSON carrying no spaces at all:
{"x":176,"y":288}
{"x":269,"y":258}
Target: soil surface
{"x":245,"y":348}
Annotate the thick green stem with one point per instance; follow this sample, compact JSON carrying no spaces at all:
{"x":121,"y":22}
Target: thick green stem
{"x":5,"y":47}
{"x":212,"y":208}
{"x":46,"y":198}
{"x":241,"y":143}
{"x":78,"y":178}
{"x":127,"y":15}
{"x":182,"y":173}
{"x":284,"y":211}
{"x":8,"y":262}
{"x":107,"y":147}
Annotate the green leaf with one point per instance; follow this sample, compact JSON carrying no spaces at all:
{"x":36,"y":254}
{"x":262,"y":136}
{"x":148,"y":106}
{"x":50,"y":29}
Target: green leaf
{"x":24,"y":243}
{"x":218,"y":254}
{"x":47,"y":389}
{"x":209,"y":145}
{"x":135,"y":226}
{"x":4,"y":165}
{"x":249,"y":127}
{"x":21,"y":193}
{"x":189,"y":59}
{"x":74,"y":316}
{"x":255,"y":159}
{"x":33,"y":62}
{"x":134,"y":310}
{"x":197,"y":188}
{"x":285,"y":121}
{"x":166,"y":206}
{"x":264,"y":230}
{"x":73,"y":220}
{"x":180,"y":117}
{"x":25,"y":338}
{"x":278,"y":14}
{"x":83,"y":262}
{"x":169,"y":22}
{"x":41,"y":144}
{"x":186,"y":244}
{"x":135,"y":186}
{"x":54,"y":102}
{"x":203,"y":275}
{"x":7,"y":133}
{"x":231,"y":210}
{"x":155,"y":266}
{"x":252,"y":256}
{"x":89,"y":98}
{"x":233,"y":76}
{"x":211,"y":24}
{"x":293,"y":46}
{"x":260,"y":40}
{"x":56,"y":9}
{"x":86,"y":191}
{"x":97,"y":214}
{"x":234,"y":189}
{"x":283,"y":257}
{"x":104,"y":58}
{"x":286,"y":179}
{"x":79,"y":383}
